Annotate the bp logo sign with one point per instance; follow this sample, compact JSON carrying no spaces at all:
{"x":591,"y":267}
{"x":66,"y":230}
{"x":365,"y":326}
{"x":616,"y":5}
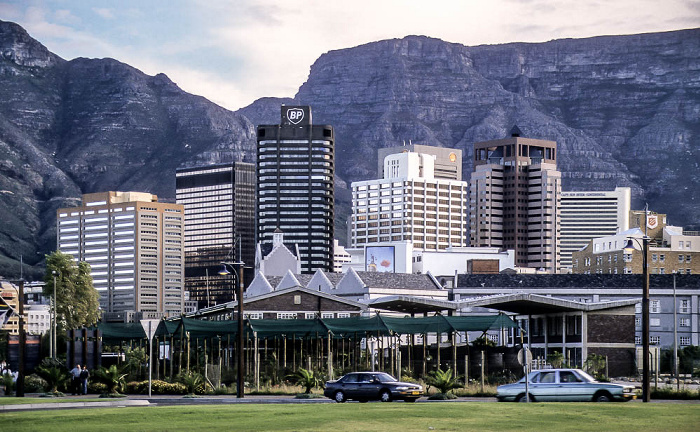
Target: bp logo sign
{"x":295,"y":115}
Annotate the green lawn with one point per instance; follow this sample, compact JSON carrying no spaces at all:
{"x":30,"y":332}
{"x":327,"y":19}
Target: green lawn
{"x":353,"y":417}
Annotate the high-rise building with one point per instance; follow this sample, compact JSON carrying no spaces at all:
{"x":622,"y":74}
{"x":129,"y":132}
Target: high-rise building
{"x":219,"y":202}
{"x":586,"y":215}
{"x":134,"y":246}
{"x":296,"y":171}
{"x":514,"y":197}
{"x":409,"y":204}
{"x":447,"y":162}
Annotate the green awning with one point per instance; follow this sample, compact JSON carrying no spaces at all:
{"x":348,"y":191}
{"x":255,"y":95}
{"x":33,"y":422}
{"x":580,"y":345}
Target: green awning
{"x":340,"y":327}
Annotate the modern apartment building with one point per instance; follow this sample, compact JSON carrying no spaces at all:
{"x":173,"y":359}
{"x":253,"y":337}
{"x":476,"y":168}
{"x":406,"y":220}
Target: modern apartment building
{"x":447,"y":162}
{"x":219,"y":202}
{"x":134,"y":246}
{"x":586,"y":215}
{"x":409,"y":204}
{"x":514,"y":198}
{"x":296,"y":173}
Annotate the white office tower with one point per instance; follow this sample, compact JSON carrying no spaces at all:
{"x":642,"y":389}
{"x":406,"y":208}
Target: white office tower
{"x":134,"y":246}
{"x":409,"y":204}
{"x":586,"y":215}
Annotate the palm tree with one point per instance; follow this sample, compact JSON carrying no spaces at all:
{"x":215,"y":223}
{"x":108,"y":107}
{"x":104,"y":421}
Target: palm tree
{"x":53,"y":372}
{"x":112,"y":377}
{"x":191,"y":380}
{"x":307,"y":379}
{"x":443,"y":380}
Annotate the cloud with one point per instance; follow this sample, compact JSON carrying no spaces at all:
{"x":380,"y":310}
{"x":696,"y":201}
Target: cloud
{"x":104,"y":13}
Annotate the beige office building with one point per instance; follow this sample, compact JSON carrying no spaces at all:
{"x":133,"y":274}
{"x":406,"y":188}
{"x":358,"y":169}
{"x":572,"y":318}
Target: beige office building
{"x":409,"y":204}
{"x":134,"y":246}
{"x":514,"y":199}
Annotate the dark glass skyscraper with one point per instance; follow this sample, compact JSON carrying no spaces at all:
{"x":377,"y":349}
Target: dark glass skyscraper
{"x":296,"y":170}
{"x":219,"y":203}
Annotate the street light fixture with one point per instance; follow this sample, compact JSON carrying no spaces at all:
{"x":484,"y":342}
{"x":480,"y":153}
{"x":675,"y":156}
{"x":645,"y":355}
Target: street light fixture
{"x":54,"y":339}
{"x":240,"y":388}
{"x":628,"y":249}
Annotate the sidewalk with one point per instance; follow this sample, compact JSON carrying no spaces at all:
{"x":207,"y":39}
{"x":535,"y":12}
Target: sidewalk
{"x":144,"y":400}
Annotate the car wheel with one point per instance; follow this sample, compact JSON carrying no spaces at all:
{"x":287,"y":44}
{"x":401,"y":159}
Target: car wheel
{"x":385,"y":396}
{"x":339,"y":397}
{"x":522,"y":398}
{"x":602,"y":397}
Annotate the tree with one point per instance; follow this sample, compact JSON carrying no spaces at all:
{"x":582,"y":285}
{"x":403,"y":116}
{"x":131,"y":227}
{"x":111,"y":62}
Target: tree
{"x":112,"y":377}
{"x":78,"y":302}
{"x":54,"y":373}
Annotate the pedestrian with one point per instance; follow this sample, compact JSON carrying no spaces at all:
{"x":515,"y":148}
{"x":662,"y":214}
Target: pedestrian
{"x":84,"y":375}
{"x":75,"y":379}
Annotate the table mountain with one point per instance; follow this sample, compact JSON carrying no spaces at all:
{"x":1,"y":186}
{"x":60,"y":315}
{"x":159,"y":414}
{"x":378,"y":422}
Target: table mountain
{"x":624,"y":110}
{"x":89,"y":125}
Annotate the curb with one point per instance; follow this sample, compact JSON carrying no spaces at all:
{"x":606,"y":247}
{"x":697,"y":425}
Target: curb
{"x":46,"y":406}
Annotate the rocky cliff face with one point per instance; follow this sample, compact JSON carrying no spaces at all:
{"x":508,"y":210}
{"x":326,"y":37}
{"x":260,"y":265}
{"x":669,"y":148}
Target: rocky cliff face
{"x":625,"y":111}
{"x":88,"y":125}
{"x":622,"y":109}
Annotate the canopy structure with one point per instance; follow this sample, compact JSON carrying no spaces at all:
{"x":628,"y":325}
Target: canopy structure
{"x":121,"y":331}
{"x":375,"y":325}
{"x":200,"y":328}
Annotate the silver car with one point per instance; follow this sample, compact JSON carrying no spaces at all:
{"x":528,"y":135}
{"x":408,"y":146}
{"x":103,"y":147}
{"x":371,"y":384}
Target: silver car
{"x":564,"y":385}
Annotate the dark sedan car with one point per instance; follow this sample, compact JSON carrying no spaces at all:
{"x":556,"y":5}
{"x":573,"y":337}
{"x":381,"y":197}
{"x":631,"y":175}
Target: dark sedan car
{"x":366,"y":386}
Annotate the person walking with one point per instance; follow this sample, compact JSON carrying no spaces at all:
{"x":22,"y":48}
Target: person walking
{"x":84,"y":375}
{"x":75,"y":379}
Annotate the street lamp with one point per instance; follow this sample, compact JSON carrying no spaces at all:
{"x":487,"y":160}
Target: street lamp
{"x":54,"y":339}
{"x":240,"y":389}
{"x":628,"y":249}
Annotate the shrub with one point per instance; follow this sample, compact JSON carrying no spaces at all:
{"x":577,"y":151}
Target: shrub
{"x":96,"y":387}
{"x":157,"y":387}
{"x":111,"y":377}
{"x":307,"y":379}
{"x":35,"y":384}
{"x":443,"y":380}
{"x":671,"y":393}
{"x":193,"y":382}
{"x":8,"y":383}
{"x":54,"y":373}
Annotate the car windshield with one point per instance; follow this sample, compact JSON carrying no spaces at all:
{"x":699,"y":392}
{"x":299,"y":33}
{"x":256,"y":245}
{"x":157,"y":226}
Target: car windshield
{"x":385,"y":377}
{"x":584,"y":376}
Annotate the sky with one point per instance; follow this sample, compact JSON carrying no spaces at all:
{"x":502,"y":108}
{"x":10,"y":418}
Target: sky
{"x":234,"y":52}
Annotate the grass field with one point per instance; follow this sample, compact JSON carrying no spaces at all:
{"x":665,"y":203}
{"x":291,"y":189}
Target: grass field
{"x":353,"y":417}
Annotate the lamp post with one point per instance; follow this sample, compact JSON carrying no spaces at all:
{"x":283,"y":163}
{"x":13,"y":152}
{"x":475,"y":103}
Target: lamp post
{"x":629,"y":248}
{"x":54,"y":339}
{"x":240,"y":388}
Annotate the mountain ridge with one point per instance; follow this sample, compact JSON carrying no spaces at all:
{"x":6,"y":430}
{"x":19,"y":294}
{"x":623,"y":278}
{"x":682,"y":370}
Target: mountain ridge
{"x":624,"y":110}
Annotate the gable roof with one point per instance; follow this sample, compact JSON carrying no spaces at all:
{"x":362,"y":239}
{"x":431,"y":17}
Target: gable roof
{"x":534,"y":304}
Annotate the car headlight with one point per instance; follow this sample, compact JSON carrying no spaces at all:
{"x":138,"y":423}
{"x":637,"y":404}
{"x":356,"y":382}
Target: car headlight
{"x":402,"y":388}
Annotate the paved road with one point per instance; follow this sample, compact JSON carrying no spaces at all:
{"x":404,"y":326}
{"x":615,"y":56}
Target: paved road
{"x":160,"y":400}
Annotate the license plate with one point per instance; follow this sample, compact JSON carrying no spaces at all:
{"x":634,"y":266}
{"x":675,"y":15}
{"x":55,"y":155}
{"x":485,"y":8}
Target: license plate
{"x":415,"y":393}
